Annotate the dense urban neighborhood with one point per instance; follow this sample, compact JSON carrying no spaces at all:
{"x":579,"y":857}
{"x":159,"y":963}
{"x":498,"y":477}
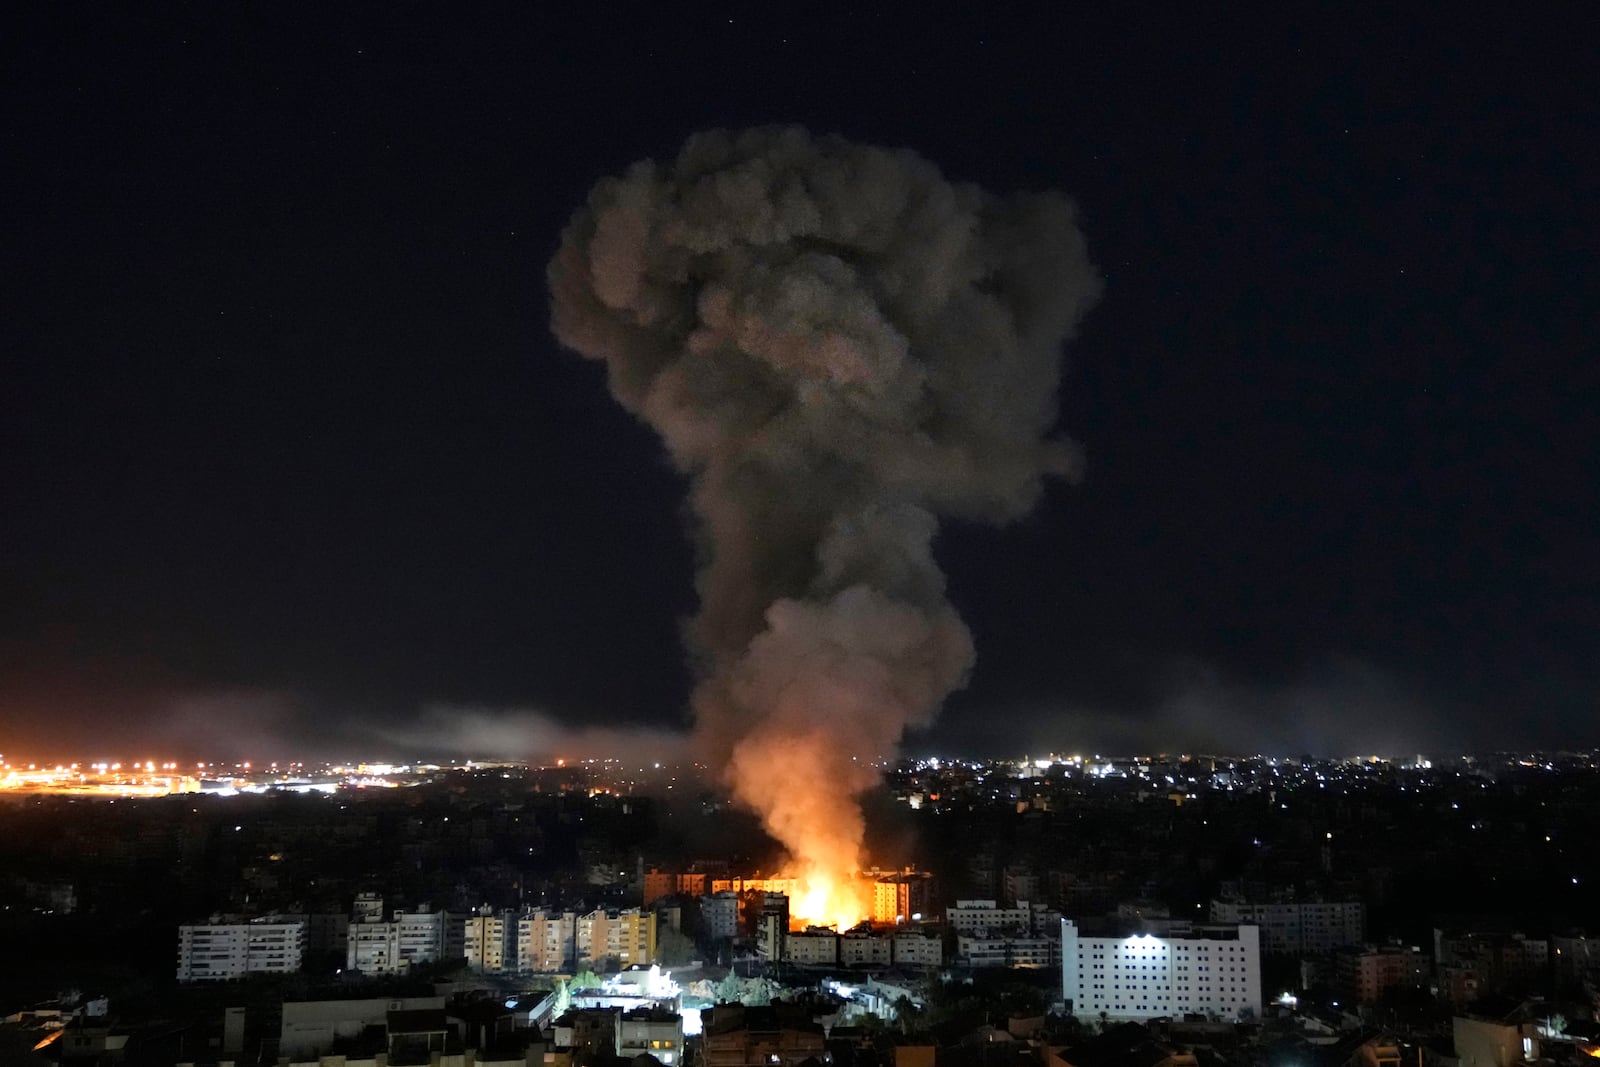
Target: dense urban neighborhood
{"x":1078,"y":909}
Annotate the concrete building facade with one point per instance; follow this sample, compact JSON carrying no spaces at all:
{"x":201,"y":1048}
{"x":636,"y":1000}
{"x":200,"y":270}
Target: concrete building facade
{"x":627,"y":936}
{"x":988,"y":917}
{"x":1310,"y":928}
{"x":777,"y":1036}
{"x":546,"y":942}
{"x":489,"y":942}
{"x":772,"y":925}
{"x":308,"y":1029}
{"x":814,"y":946}
{"x":650,"y":1032}
{"x":1209,"y":970}
{"x":1020,"y":950}
{"x":367,"y":908}
{"x":218,"y":952}
{"x":720,"y":914}
{"x":864,"y":947}
{"x":902,"y":897}
{"x":1362,"y":974}
{"x":658,"y":884}
{"x":395,"y":947}
{"x":917,"y":948}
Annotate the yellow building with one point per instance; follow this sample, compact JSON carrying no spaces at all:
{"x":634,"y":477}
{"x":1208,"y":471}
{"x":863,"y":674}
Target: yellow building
{"x":490,"y":942}
{"x":901,"y":897}
{"x":786,"y":886}
{"x":627,"y":936}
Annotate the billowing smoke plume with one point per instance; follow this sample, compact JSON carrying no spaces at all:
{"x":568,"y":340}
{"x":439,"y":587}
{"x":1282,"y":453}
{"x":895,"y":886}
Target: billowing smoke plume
{"x":837,"y":345}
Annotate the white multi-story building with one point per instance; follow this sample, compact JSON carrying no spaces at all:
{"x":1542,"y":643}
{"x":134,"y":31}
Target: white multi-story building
{"x":422,"y":935}
{"x":813,"y":945}
{"x":988,"y":917}
{"x":1310,"y":928}
{"x":1007,"y":950}
{"x":373,"y":948}
{"x":1206,"y":970}
{"x":219,"y":951}
{"x":917,"y":948}
{"x":863,"y":946}
{"x":394,"y":947}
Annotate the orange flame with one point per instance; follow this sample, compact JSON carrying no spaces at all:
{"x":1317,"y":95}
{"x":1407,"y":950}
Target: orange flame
{"x":807,"y":799}
{"x":827,"y":898}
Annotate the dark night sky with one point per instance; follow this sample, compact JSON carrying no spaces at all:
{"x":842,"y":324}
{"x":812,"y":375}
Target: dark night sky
{"x":288,"y":449}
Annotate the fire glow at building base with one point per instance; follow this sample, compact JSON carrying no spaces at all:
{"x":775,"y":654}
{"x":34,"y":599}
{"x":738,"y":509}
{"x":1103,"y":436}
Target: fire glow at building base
{"x":842,"y":901}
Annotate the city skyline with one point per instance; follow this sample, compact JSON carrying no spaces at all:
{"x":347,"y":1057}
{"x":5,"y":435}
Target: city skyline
{"x":293,"y":462}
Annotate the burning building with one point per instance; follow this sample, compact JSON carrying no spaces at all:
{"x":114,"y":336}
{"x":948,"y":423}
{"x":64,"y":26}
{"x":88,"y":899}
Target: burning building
{"x":838,"y":346}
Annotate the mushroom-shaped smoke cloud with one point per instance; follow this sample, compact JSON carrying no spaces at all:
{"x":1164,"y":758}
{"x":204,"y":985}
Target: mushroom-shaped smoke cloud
{"x":837,"y":345}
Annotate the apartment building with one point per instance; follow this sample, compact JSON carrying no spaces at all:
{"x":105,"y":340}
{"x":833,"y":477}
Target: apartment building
{"x":1310,"y":928}
{"x":219,"y":951}
{"x":547,"y":941}
{"x":1212,"y":970}
{"x":627,"y":936}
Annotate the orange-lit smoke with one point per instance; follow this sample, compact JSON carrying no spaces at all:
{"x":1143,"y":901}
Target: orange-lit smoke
{"x":837,"y":345}
{"x":821,"y":827}
{"x":837,"y":683}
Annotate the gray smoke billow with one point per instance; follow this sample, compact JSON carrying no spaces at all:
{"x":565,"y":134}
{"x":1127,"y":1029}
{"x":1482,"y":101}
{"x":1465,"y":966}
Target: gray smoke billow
{"x":838,"y":345}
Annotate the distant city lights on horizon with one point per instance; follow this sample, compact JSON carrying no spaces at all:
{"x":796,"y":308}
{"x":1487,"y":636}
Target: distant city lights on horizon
{"x":1180,"y":775}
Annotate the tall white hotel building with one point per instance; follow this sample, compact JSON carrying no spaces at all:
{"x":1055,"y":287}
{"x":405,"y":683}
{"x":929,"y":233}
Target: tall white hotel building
{"x":1206,"y":970}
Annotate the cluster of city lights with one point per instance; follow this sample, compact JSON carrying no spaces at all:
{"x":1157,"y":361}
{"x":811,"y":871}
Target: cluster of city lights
{"x":157,"y":778}
{"x":136,"y":778}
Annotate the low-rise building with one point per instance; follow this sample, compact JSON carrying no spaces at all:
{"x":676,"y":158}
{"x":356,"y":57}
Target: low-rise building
{"x":1494,"y":1042}
{"x":587,"y":1030}
{"x":1016,"y":950}
{"x":865,"y":947}
{"x":652,"y":1032}
{"x":783,"y":1035}
{"x":918,"y":948}
{"x":988,"y":917}
{"x":814,"y":946}
{"x":309,"y":1028}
